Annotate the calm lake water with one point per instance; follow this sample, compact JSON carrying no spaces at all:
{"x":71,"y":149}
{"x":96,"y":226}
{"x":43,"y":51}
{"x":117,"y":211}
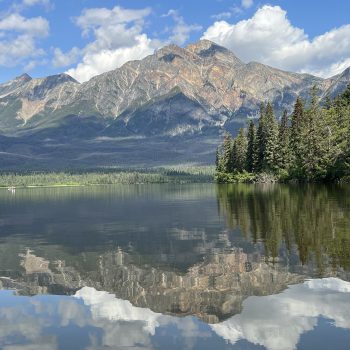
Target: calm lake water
{"x":175,"y":267}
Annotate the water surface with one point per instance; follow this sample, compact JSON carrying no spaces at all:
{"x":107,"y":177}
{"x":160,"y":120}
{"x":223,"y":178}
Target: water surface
{"x":175,"y":266}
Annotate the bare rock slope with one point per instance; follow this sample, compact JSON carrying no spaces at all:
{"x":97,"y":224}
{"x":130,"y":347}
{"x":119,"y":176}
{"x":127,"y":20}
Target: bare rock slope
{"x":202,"y":89}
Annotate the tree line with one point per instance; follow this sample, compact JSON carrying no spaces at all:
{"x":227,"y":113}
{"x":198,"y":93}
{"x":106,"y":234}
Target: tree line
{"x":86,"y":178}
{"x":311,"y":144}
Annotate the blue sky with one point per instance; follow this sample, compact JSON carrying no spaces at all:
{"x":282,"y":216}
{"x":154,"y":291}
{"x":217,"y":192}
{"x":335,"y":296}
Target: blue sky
{"x":88,"y":37}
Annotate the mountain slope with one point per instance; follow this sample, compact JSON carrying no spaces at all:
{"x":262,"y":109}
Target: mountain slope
{"x":194,"y":92}
{"x":204,"y":72}
{"x":338,"y":84}
{"x":30,"y":100}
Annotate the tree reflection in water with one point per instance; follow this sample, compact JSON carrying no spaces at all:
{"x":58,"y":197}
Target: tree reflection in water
{"x":314,"y":219}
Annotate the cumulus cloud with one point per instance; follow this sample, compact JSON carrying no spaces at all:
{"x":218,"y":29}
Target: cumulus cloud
{"x":18,"y":38}
{"x":181,"y":31}
{"x":24,"y":4}
{"x":222,"y":15}
{"x":247,"y":3}
{"x":269,"y":37}
{"x":28,"y":3}
{"x":36,"y":27}
{"x":278,"y":321}
{"x":117,"y":38}
{"x":62,"y":59}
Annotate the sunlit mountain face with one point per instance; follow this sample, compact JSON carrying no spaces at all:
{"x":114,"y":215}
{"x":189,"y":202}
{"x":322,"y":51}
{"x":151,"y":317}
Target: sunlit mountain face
{"x":236,"y":266}
{"x":177,"y":102}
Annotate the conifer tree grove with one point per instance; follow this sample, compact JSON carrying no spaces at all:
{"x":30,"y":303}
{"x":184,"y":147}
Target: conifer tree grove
{"x":311,"y":144}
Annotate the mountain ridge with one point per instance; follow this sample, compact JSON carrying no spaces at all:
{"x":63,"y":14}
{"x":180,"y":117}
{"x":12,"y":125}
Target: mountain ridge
{"x":201,"y":90}
{"x":204,"y":71}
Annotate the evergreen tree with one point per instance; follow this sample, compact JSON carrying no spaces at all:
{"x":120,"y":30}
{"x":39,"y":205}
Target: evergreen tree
{"x":227,"y":157}
{"x":314,"y":149}
{"x":218,"y":162}
{"x":342,"y":107}
{"x":261,"y":139}
{"x":283,"y":154}
{"x":271,"y":133}
{"x":296,"y":142}
{"x":252,"y":147}
{"x":240,"y":151}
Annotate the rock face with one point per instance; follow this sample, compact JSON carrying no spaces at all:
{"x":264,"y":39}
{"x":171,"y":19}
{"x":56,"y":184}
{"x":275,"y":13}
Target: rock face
{"x":200,"y":89}
{"x":338,"y":83}
{"x":209,"y":76}
{"x":213,"y":290}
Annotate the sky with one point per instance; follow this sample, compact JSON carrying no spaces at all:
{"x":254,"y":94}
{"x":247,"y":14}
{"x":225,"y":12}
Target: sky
{"x":88,"y":37}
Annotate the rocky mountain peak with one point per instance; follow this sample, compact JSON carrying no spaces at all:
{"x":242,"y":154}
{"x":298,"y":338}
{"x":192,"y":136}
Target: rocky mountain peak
{"x":24,"y":77}
{"x":12,"y":85}
{"x":60,"y":78}
{"x":346,"y":73}
{"x":196,"y":52}
{"x":203,"y":45}
{"x":170,"y":52}
{"x":208,"y":49}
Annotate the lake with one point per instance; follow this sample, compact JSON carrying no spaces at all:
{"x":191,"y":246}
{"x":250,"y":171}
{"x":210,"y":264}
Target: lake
{"x":195,"y":266}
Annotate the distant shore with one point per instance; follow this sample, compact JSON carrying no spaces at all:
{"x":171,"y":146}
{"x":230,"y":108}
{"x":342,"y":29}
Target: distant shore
{"x":108,"y":177}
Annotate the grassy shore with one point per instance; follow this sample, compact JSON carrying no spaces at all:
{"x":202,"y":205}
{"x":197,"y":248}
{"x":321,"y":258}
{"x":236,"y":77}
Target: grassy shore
{"x":108,"y":177}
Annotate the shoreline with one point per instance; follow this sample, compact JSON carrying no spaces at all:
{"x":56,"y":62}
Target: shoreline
{"x":81,"y":179}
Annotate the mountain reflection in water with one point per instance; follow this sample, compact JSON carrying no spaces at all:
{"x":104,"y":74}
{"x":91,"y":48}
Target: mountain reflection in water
{"x":175,"y":266}
{"x":93,"y":319}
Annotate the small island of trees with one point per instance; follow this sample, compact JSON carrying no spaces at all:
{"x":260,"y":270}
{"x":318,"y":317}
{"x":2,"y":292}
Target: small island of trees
{"x":311,"y":144}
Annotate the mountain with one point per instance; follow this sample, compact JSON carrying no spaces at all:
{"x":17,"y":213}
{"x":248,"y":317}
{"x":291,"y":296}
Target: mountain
{"x":194,"y":92}
{"x":212,"y":290}
{"x":338,"y":84}
{"x":14,"y":84}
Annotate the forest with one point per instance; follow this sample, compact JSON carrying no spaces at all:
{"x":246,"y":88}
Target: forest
{"x":181,"y":174}
{"x":310,"y":145}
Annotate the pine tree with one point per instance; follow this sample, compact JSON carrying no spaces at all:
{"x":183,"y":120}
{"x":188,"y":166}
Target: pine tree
{"x":346,"y":156}
{"x":261,"y":139}
{"x":344,"y":101}
{"x":218,"y":160}
{"x":283,"y":157}
{"x":240,"y":151}
{"x":314,"y":149}
{"x":252,"y":147}
{"x":339,"y":120}
{"x":271,"y":139}
{"x":227,"y":150}
{"x":296,"y":141}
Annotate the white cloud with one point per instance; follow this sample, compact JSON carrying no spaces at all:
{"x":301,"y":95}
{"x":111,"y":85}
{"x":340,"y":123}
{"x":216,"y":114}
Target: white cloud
{"x":117,"y":38}
{"x":18,"y":38}
{"x":222,"y":15}
{"x":24,"y":4}
{"x":36,"y":27}
{"x":270,"y":38}
{"x":34,"y":63}
{"x":62,"y":59}
{"x":93,"y":18}
{"x":247,"y":3}
{"x":29,"y":3}
{"x":181,"y":31}
{"x":277,"y":322}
